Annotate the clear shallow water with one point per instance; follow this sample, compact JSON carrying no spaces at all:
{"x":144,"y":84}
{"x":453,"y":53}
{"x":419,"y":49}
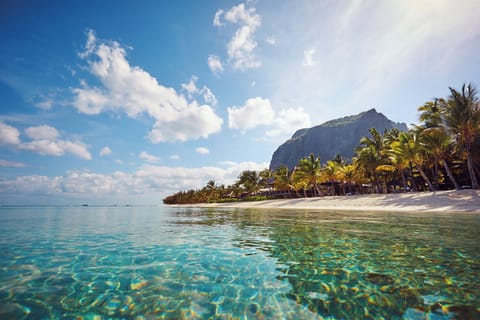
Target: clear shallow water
{"x":174,"y":263}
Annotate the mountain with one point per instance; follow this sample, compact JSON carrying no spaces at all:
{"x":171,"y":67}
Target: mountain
{"x":339,"y":136}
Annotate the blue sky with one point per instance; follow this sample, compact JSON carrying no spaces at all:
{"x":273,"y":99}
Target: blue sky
{"x":108,"y":102}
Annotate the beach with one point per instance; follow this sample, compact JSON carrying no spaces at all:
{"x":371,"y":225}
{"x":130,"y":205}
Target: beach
{"x":438,"y":201}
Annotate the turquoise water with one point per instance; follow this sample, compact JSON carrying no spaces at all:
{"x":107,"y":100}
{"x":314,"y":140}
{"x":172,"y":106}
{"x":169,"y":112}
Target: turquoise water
{"x":180,"y":263}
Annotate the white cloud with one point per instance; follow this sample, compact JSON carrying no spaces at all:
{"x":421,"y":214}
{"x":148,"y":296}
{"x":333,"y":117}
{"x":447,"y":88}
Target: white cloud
{"x":130,"y":89}
{"x":253,"y":113}
{"x":56,"y":148}
{"x":288,"y":121}
{"x":76,"y":148}
{"x":43,"y":147}
{"x":205,"y":92}
{"x":43,"y":132}
{"x":202,"y":150}
{"x":308,"y":57}
{"x":215,"y":64}
{"x":208,"y":96}
{"x":11,"y":164}
{"x":191,"y":86}
{"x":148,"y":157}
{"x":271,"y":40}
{"x":9,"y":134}
{"x":145,"y":186}
{"x":241,"y":47}
{"x":45,"y":141}
{"x":175,"y":157}
{"x":258,"y":111}
{"x":216,"y":18}
{"x":46,"y":103}
{"x":105,"y":151}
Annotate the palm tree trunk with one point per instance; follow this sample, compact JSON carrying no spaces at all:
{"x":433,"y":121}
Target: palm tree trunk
{"x":414,"y":183}
{"x":404,"y":181}
{"x":424,"y":176}
{"x":435,"y":174}
{"x":450,"y":174}
{"x":471,"y":171}
{"x":316,"y":190}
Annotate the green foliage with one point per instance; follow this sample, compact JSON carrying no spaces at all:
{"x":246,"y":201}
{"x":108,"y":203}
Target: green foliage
{"x":256,"y":198}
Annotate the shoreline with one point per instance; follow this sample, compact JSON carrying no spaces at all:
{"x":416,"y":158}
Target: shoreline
{"x":465,"y":201}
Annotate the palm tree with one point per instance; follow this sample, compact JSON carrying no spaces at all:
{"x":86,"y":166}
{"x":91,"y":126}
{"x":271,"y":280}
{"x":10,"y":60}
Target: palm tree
{"x":331,"y":173}
{"x":308,"y":172}
{"x":210,"y":191}
{"x":265,"y":176}
{"x":409,"y":146}
{"x":431,"y":113}
{"x":282,"y":180}
{"x":462,"y":117}
{"x":370,"y":154}
{"x":349,"y":173}
{"x":250,"y":180}
{"x":439,"y":144}
{"x":401,"y":164}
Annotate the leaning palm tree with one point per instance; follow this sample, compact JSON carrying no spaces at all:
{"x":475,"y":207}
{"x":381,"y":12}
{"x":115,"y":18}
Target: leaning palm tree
{"x":410,"y":147}
{"x":439,"y":144}
{"x":462,"y":117}
{"x":308,"y":172}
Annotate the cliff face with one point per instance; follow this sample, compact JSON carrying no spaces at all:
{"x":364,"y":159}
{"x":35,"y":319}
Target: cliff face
{"x":339,"y":136}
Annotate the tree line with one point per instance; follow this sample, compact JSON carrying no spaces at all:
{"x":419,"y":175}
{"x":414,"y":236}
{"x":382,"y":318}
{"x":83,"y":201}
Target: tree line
{"x":443,"y":152}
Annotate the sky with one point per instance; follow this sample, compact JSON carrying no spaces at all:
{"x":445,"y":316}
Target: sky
{"x":125,"y":102}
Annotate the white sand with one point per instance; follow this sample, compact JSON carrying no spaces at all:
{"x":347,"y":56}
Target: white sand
{"x":439,"y":201}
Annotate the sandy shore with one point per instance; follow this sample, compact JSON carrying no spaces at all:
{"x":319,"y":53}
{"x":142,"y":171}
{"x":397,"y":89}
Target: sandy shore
{"x":439,"y":201}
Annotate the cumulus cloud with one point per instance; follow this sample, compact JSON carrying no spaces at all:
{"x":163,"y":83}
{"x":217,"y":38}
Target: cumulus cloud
{"x":9,"y":134}
{"x":192,"y":90}
{"x":105,"y":151}
{"x":215,"y":64}
{"x":309,"y":58}
{"x":202,"y":150}
{"x":175,"y":157}
{"x":43,"y":132}
{"x":57,"y":148}
{"x":45,"y":141}
{"x":255,"y":112}
{"x":241,"y":46}
{"x":146,"y":185}
{"x":258,"y":111}
{"x":132,"y":90}
{"x":148,"y":157}
{"x":288,"y":120}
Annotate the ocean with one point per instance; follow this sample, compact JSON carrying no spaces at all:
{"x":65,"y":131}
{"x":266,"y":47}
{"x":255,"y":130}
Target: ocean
{"x":204,"y":263}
